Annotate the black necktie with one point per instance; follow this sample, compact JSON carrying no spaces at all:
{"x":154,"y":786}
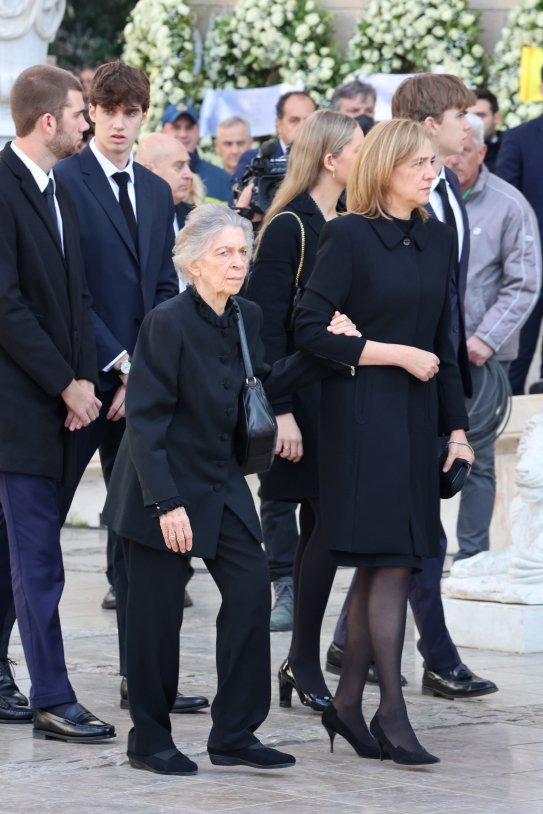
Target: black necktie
{"x":122,"y":179}
{"x":441,"y":190}
{"x":49,"y":195}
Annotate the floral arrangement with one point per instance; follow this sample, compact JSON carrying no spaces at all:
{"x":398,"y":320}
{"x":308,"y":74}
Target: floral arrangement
{"x":524,"y":27}
{"x":408,"y":36}
{"x":266,"y":42}
{"x":160,"y":39}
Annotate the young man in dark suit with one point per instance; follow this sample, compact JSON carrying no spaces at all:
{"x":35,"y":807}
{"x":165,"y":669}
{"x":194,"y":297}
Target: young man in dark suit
{"x":126,"y":219}
{"x":440,"y":102}
{"x":48,"y":372}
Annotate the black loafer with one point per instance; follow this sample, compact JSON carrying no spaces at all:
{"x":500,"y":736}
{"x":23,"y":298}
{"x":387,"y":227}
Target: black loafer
{"x":77,"y":725}
{"x":11,"y":714}
{"x":170,"y":762}
{"x":459,"y":682}
{"x":109,"y":602}
{"x":334,"y":664}
{"x":9,"y":690}
{"x":182,"y":703}
{"x":256,"y":756}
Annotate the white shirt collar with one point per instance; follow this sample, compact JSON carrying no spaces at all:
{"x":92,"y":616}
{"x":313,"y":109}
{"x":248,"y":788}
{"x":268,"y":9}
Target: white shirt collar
{"x":40,"y":177}
{"x":108,"y":167}
{"x":439,"y":178}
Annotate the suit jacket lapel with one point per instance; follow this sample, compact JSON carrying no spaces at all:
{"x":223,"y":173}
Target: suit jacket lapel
{"x":144,"y":198}
{"x":31,"y":191}
{"x":100,"y":187}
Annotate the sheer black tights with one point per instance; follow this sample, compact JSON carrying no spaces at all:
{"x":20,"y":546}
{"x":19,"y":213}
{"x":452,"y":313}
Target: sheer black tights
{"x":376,"y":627}
{"x":314,"y":572}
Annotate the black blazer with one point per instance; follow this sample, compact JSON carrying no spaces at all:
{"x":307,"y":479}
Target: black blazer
{"x":46,"y":337}
{"x":181,"y":412}
{"x":271,"y":285}
{"x":125,"y":281}
{"x":520,"y":162}
{"x":378,"y":429}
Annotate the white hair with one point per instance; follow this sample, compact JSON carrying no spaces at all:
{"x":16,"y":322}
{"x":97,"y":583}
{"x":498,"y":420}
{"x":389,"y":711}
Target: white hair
{"x":477,"y":128}
{"x":201,"y":226}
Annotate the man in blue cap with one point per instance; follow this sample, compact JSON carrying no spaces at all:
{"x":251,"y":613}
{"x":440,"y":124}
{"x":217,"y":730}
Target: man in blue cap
{"x":181,"y":122}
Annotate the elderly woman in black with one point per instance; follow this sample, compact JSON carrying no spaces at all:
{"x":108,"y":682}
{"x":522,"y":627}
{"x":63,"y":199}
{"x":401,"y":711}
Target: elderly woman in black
{"x":177,"y":488}
{"x":387,"y":265}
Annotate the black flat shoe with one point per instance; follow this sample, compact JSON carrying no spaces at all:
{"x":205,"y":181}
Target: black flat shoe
{"x":9,"y":690}
{"x":109,"y":602}
{"x":335,"y":726}
{"x":171,"y":761}
{"x":182,"y":703}
{"x":334,"y":664}
{"x":256,"y":756}
{"x":287,"y":683}
{"x":10,"y":714}
{"x":77,"y":725}
{"x":417,"y":757}
{"x":459,"y":682}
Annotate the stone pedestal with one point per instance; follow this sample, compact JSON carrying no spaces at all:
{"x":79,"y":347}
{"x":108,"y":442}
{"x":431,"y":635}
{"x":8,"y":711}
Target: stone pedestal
{"x":495,"y":626}
{"x":26,"y":29}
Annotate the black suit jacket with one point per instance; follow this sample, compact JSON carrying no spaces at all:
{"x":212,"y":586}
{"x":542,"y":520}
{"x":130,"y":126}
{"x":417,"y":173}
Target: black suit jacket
{"x":125,"y":281}
{"x":458,"y":292}
{"x":181,"y":414}
{"x":46,"y":337}
{"x":520,"y":162}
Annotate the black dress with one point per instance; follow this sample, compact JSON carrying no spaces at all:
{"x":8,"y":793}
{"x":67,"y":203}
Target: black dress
{"x":271,"y":285}
{"x":378,"y":469}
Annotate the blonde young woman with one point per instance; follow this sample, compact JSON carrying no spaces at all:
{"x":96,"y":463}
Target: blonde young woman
{"x":387,"y":266}
{"x":319,"y":164}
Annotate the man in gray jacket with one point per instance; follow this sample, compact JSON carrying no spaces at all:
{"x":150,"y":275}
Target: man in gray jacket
{"x":504,"y":279}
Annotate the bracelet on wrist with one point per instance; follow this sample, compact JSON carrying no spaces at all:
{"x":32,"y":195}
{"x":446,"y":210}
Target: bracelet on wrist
{"x":462,"y":444}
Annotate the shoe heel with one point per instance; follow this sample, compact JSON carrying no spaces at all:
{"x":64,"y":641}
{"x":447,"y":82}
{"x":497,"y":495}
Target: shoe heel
{"x":39,"y":735}
{"x":124,"y":704}
{"x":331,"y":735}
{"x":382,"y":751}
{"x":285,"y":692}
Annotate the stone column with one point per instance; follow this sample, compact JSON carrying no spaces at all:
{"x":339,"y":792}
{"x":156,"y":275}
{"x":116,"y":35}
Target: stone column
{"x":26,"y":29}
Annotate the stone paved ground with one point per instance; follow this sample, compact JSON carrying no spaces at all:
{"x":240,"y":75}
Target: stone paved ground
{"x":491,"y":748}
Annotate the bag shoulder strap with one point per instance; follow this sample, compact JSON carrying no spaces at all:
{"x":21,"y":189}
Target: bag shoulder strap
{"x":243,"y":342}
{"x":302,"y":231}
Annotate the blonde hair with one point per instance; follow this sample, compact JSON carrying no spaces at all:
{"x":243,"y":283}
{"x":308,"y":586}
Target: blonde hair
{"x":324,"y":132}
{"x":197,"y":194}
{"x":386,"y":145}
{"x":201,"y":226}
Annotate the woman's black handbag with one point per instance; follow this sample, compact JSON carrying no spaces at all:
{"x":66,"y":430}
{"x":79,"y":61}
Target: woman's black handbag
{"x":452,"y":481}
{"x":256,"y":431}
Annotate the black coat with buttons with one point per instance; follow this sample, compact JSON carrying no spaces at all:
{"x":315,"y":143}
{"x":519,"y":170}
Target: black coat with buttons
{"x":378,"y":469}
{"x":181,"y":413}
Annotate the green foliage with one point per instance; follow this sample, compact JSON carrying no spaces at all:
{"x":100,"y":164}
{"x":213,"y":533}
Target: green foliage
{"x":91,"y":33}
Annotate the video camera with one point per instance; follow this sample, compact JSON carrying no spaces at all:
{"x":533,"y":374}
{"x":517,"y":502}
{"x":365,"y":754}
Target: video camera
{"x":266,"y":173}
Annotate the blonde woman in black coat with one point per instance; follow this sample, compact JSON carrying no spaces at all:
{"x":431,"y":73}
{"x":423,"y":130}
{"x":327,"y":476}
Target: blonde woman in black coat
{"x":177,"y":488}
{"x":319,"y":164}
{"x":387,"y":266}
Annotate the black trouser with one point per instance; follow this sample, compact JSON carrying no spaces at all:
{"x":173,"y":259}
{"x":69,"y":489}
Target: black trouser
{"x":156,"y":583}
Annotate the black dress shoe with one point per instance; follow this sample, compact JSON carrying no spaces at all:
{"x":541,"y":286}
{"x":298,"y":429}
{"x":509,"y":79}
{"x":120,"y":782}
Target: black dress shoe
{"x":9,"y":690}
{"x":334,"y":664}
{"x":109,"y":602}
{"x":182,"y":703}
{"x":11,"y":714}
{"x":187,"y":601}
{"x":257,"y":756}
{"x":459,"y":682}
{"x":77,"y":725}
{"x":171,"y":761}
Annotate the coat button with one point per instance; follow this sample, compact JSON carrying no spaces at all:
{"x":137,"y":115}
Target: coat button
{"x":406,"y":241}
{"x":224,"y":436}
{"x":227,"y":384}
{"x":217,"y":487}
{"x":223,"y":359}
{"x":137,"y":322}
{"x":220,"y":464}
{"x":229,"y":410}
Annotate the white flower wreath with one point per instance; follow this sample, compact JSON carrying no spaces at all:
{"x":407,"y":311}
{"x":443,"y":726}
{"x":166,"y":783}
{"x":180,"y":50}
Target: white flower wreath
{"x":265,"y":42}
{"x":524,"y":27}
{"x":161,"y":40}
{"x":408,"y":36}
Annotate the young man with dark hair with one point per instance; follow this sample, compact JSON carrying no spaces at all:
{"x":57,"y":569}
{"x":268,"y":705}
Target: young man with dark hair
{"x":440,"y":102}
{"x":48,"y":371}
{"x":126,"y":219}
{"x":486,"y":107}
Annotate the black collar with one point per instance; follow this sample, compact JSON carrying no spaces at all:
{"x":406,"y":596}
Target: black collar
{"x":391,"y":234}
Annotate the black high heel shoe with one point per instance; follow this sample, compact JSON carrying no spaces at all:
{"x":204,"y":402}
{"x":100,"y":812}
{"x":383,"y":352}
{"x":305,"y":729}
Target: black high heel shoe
{"x":287,"y":683}
{"x":335,"y":726}
{"x":417,"y":757}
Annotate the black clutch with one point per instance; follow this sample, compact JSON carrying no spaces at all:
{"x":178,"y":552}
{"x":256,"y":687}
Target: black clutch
{"x":256,"y":431}
{"x":452,"y":481}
